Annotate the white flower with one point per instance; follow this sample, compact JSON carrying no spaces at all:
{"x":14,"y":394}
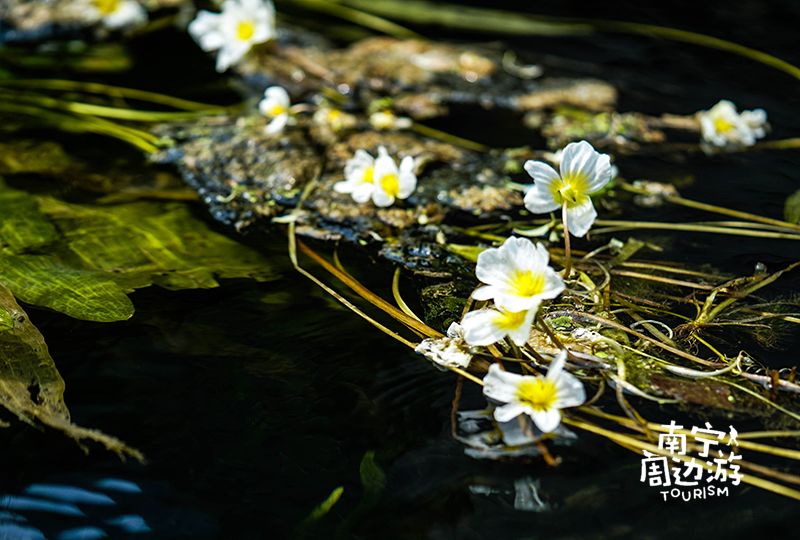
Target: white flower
{"x":723,"y":126}
{"x":449,"y":351}
{"x":388,"y":120}
{"x":517,"y":275}
{"x":490,"y":325}
{"x":242,"y":24}
{"x":117,"y":14}
{"x":334,"y":119}
{"x":379,"y":178}
{"x":359,"y":174}
{"x":583,"y":172}
{"x":539,"y":397}
{"x":275,"y":106}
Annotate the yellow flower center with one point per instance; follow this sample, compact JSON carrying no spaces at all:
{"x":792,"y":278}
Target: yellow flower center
{"x":573,"y":189}
{"x":526,"y":282}
{"x":369,"y":175}
{"x":390,"y":183}
{"x":245,"y":30}
{"x":277,"y":110}
{"x":509,"y":320}
{"x":539,"y":394}
{"x":106,"y":7}
{"x":722,"y":125}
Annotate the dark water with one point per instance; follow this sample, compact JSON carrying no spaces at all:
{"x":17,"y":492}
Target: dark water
{"x":254,"y":401}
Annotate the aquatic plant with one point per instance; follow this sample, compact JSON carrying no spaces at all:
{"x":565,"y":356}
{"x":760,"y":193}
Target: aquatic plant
{"x":275,"y":106}
{"x":722,"y":126}
{"x":233,"y":32}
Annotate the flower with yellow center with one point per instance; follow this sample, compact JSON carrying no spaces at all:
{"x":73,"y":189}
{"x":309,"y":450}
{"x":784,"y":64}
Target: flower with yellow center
{"x":517,"y":275}
{"x":539,"y":397}
{"x":242,"y":24}
{"x":118,"y":14}
{"x":275,"y":106}
{"x":583,"y":171}
{"x":490,"y":325}
{"x":722,"y":126}
{"x":391,"y":182}
{"x":359,"y":174}
{"x":387,"y":120}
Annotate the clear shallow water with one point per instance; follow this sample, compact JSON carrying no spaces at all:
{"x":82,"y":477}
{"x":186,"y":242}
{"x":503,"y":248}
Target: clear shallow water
{"x":253,"y":401}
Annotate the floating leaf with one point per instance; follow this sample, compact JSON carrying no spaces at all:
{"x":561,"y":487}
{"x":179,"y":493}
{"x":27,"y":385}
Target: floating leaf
{"x":30,"y":385}
{"x":82,"y":259}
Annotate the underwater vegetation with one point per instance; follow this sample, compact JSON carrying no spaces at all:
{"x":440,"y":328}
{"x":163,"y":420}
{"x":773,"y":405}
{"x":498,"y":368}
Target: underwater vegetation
{"x":521,"y":269}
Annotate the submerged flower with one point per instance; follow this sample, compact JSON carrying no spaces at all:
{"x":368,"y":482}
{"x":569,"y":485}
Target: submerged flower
{"x":388,"y":120}
{"x":723,"y":126}
{"x":539,"y":397}
{"x":583,"y":171}
{"x":116,"y":14}
{"x":379,"y":178}
{"x":490,"y":325}
{"x":517,"y":275}
{"x":242,"y":24}
{"x":448,"y":351}
{"x":275,"y":106}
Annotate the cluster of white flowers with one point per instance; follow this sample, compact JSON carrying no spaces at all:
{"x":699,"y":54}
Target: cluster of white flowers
{"x":117,"y":14}
{"x":234,"y":31}
{"x":517,"y":277}
{"x":722,"y":126}
{"x":378,"y":179}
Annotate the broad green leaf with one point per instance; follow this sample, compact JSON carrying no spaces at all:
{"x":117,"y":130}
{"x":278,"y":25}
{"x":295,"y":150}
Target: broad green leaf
{"x":30,"y":386}
{"x":82,"y":259}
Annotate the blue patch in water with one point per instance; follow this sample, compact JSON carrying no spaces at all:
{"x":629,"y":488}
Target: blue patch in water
{"x":69,"y":494}
{"x":13,"y":502}
{"x":82,"y":533}
{"x":131,"y":524}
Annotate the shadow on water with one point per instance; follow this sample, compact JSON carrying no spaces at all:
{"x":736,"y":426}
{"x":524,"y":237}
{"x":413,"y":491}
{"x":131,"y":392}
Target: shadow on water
{"x":253,"y":402}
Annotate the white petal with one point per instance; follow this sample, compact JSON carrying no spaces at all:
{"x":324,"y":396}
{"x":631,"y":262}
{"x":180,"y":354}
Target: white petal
{"x":579,"y":159}
{"x":205,"y":31}
{"x":129,"y":13}
{"x":384,"y":164}
{"x":493,"y":266}
{"x":277,"y":124}
{"x":557,"y":365}
{"x":343,"y":187}
{"x":408,"y":183}
{"x":553,"y":284}
{"x":539,"y":200}
{"x":362,"y":192}
{"x":581,"y":217}
{"x":381,"y":198}
{"x":523,"y":254}
{"x":501,"y":385}
{"x":522,"y":334}
{"x":230,"y":53}
{"x":548,"y":420}
{"x":602,"y":173}
{"x":509,"y":411}
{"x":570,"y":391}
{"x":514,"y":303}
{"x":277,"y":95}
{"x":479,"y":327}
{"x":541,"y":172}
{"x":487,"y":292}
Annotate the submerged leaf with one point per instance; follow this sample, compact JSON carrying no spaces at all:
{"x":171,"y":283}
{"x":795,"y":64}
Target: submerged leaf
{"x":30,"y":386}
{"x":82,"y":259}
